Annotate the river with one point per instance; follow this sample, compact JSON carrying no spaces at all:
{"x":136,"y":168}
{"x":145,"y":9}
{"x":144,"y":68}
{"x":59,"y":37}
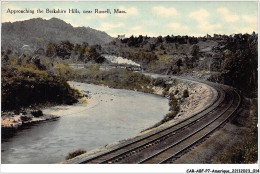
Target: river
{"x":111,"y":115}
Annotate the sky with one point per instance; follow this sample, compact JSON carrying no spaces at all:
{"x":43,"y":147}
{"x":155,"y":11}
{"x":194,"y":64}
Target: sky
{"x":146,"y":18}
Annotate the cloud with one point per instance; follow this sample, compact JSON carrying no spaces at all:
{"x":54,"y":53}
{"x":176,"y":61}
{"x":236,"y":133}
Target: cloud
{"x":178,"y":26}
{"x":136,"y":31}
{"x":151,"y":22}
{"x":108,"y":26}
{"x":202,"y":17}
{"x":209,"y":27}
{"x":165,"y":12}
{"x":251,"y":22}
{"x":248,"y":30}
{"x":250,"y":19}
{"x":227,"y":16}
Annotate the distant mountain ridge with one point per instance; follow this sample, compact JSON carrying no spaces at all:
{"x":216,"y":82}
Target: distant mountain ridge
{"x":38,"y":32}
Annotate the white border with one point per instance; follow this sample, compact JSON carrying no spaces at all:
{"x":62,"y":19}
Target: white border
{"x":126,"y":168}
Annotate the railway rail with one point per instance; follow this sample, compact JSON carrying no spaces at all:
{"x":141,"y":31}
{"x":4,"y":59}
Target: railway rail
{"x":188,"y":141}
{"x":169,"y":143}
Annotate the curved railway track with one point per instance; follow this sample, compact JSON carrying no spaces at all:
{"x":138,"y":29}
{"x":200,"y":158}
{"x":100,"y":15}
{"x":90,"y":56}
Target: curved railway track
{"x":169,"y":143}
{"x":173,"y":150}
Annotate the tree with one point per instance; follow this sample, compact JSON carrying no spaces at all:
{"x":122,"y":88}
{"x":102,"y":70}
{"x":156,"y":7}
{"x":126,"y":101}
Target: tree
{"x":239,"y":71}
{"x":64,"y":49}
{"x":169,"y":39}
{"x":93,"y":53}
{"x":152,"y":47}
{"x":173,"y":103}
{"x":67,"y":45}
{"x":8,"y":52}
{"x":159,"y":39}
{"x":51,"y":50}
{"x":195,"y":51}
{"x":240,"y":65}
{"x":140,"y":39}
{"x":188,"y":62}
{"x":185,"y":93}
{"x":179,"y":63}
{"x":77,"y":48}
{"x":100,"y":59}
{"x":5,"y":59}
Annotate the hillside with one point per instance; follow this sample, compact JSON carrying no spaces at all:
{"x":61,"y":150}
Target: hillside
{"x":227,"y":59}
{"x":161,"y":54}
{"x":39,"y":32}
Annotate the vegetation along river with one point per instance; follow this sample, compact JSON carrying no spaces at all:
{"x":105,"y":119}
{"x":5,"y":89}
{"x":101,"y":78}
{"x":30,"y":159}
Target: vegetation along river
{"x":109,"y":116}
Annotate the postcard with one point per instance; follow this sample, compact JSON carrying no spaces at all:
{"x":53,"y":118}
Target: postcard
{"x":129,"y":82}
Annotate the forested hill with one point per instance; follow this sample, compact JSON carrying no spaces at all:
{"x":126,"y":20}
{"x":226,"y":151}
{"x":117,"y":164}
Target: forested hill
{"x":39,"y":32}
{"x":228,"y":59}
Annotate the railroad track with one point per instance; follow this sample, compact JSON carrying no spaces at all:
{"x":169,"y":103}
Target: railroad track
{"x":172,"y":151}
{"x":169,"y":143}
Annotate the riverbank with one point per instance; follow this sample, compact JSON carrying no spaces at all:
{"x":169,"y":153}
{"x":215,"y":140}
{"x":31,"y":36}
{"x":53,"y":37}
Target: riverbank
{"x":110,"y":115}
{"x":199,"y":98}
{"x":122,"y":79}
{"x":65,"y":110}
{"x":198,"y":95}
{"x":11,"y":123}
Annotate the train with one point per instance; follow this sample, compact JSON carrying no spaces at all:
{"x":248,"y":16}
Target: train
{"x":133,"y":68}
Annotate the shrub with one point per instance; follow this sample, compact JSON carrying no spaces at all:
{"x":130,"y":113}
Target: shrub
{"x":169,"y":116}
{"x":37,"y":113}
{"x":159,"y":82}
{"x":176,"y":92}
{"x":166,"y":91}
{"x":185,"y":93}
{"x":119,"y":78}
{"x":25,"y":118}
{"x":25,"y":85}
{"x":63,"y":70}
{"x":173,"y":103}
{"x":75,"y":153}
